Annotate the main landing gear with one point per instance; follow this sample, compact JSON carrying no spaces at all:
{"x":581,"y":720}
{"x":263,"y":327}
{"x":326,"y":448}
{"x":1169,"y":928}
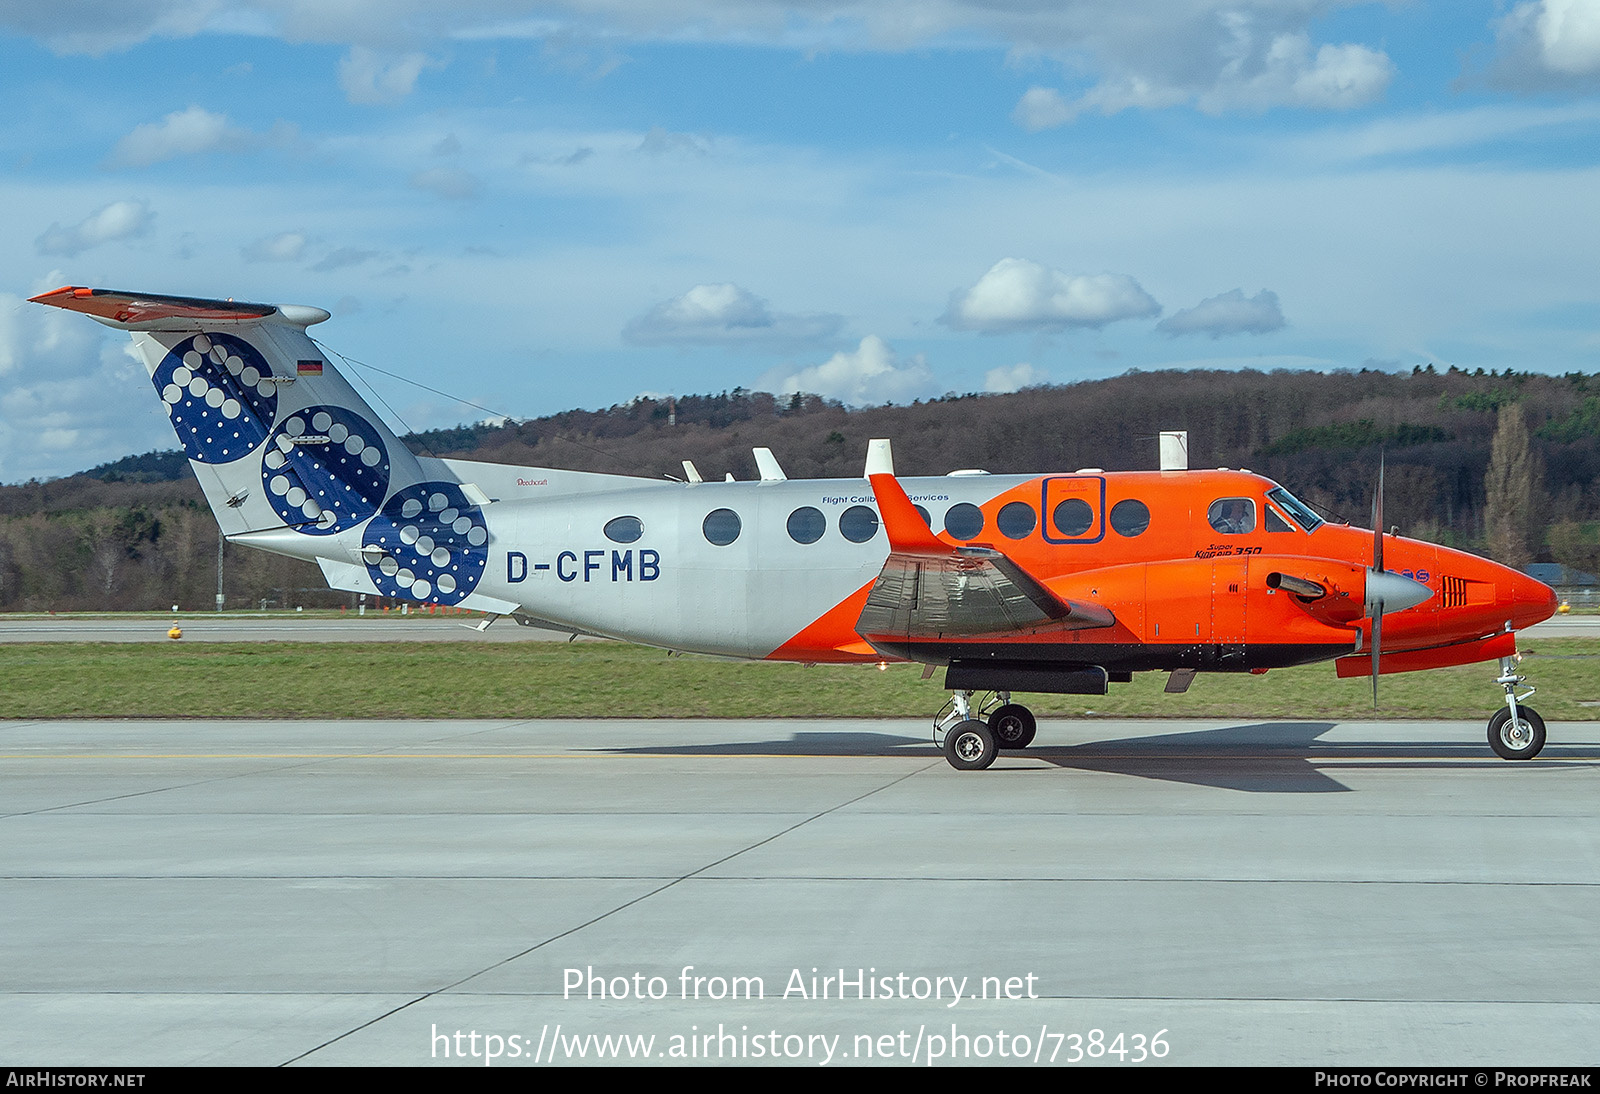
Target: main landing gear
{"x":1515,"y":732}
{"x":974,"y":736}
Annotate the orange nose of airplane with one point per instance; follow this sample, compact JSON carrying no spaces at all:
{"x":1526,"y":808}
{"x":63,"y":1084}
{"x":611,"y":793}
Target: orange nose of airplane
{"x":1524,"y":600}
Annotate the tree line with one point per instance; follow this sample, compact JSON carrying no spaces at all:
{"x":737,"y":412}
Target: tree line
{"x":1506,"y":464}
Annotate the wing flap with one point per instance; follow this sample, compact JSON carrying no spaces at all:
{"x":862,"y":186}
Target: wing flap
{"x":918,"y":597}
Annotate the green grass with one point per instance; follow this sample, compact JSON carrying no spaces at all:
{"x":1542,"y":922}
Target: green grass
{"x":609,"y":680}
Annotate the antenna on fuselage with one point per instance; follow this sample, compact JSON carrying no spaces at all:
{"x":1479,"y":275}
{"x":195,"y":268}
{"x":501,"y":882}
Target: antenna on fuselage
{"x":767,"y":465}
{"x":1175,"y":450}
{"x":880,"y":458}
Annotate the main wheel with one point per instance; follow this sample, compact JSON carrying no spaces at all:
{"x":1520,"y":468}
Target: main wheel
{"x":1519,"y":740}
{"x":1013,"y":726}
{"x":969,"y":746}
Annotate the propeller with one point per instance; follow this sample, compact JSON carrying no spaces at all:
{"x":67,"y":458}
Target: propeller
{"x":1377,"y":568}
{"x":1386,"y":592}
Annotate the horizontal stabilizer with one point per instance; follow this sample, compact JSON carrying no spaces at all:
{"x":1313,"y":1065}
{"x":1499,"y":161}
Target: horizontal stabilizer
{"x":154,"y":311}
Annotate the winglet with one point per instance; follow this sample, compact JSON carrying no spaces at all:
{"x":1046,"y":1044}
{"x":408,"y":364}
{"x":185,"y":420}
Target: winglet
{"x":908,"y":532}
{"x":691,"y":472}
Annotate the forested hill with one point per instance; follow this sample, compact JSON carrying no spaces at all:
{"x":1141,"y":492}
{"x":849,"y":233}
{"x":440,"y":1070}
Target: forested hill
{"x":135,"y":533}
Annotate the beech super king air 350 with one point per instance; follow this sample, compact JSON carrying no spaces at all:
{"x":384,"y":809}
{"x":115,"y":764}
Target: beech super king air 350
{"x":1057,"y":583}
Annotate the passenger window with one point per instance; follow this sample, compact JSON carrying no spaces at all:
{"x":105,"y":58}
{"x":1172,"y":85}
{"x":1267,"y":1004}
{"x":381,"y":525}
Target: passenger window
{"x":1073,"y":517}
{"x":964,"y":521}
{"x":1016,"y":520}
{"x":1232,"y":516}
{"x":624,"y":529}
{"x":807,"y":524}
{"x":1130,"y":517}
{"x":858,"y":524}
{"x":721,"y":527}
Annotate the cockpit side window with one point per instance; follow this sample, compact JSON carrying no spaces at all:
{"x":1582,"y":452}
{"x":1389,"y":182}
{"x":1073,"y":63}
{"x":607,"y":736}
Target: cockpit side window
{"x":1298,"y":511}
{"x":1232,"y":516}
{"x":1274,"y":522}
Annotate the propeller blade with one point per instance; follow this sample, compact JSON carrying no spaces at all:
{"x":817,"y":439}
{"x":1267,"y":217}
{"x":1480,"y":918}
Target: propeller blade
{"x":1377,"y":644}
{"x":1377,"y":519}
{"x":1377,"y":566}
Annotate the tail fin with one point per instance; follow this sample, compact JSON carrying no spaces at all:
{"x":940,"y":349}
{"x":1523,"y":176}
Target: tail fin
{"x":291,"y":459}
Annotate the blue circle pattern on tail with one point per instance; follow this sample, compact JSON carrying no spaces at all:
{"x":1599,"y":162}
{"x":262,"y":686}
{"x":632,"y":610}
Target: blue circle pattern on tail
{"x":436,"y":544}
{"x":325,"y":470}
{"x":217,"y":391}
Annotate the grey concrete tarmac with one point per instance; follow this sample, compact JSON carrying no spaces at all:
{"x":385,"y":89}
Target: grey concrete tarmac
{"x":1301,"y":893}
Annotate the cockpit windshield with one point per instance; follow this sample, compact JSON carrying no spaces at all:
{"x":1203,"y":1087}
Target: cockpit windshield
{"x":1298,"y":511}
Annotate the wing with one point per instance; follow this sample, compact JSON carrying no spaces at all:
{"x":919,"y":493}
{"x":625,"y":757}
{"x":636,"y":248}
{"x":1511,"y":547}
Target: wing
{"x":929,"y":589}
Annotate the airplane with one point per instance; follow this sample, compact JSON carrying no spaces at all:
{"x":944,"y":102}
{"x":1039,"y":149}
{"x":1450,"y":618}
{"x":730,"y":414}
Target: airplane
{"x":1058,"y":583}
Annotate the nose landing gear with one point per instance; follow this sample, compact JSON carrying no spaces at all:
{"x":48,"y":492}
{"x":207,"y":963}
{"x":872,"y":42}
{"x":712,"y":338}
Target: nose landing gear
{"x":1515,"y":732}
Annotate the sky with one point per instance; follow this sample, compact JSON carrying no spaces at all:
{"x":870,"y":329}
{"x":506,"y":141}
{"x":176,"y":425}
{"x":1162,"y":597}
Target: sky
{"x":541,"y":206}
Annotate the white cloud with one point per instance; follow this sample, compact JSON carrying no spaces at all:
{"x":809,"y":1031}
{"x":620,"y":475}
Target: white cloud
{"x":66,"y":386}
{"x":447,"y":182}
{"x":661,"y":142}
{"x":1282,"y":72}
{"x":1569,"y":32}
{"x":284,"y":247}
{"x":1043,"y":108}
{"x":1227,"y":313}
{"x":1548,"y":43}
{"x":872,"y":373}
{"x":1218,"y":54}
{"x":1444,"y":131}
{"x":726,"y":315}
{"x":119,"y":220}
{"x":1009,"y":378}
{"x":1017,"y":294}
{"x":182,"y":133}
{"x":85,"y":26}
{"x":370,"y":77}
{"x":1337,"y":77}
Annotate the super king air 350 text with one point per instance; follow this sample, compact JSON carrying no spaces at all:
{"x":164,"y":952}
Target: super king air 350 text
{"x":1057,"y":583}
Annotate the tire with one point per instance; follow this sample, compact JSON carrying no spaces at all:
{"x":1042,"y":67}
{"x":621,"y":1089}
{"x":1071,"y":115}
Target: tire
{"x":1520,"y":742}
{"x":1013,"y":726}
{"x":969,"y":746}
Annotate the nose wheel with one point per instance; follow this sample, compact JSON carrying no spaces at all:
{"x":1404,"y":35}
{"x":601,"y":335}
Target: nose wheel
{"x":1516,"y":738}
{"x":1516,"y":732}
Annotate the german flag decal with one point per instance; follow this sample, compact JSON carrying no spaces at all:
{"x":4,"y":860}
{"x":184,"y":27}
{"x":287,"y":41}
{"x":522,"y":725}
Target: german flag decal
{"x":308,"y":368}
